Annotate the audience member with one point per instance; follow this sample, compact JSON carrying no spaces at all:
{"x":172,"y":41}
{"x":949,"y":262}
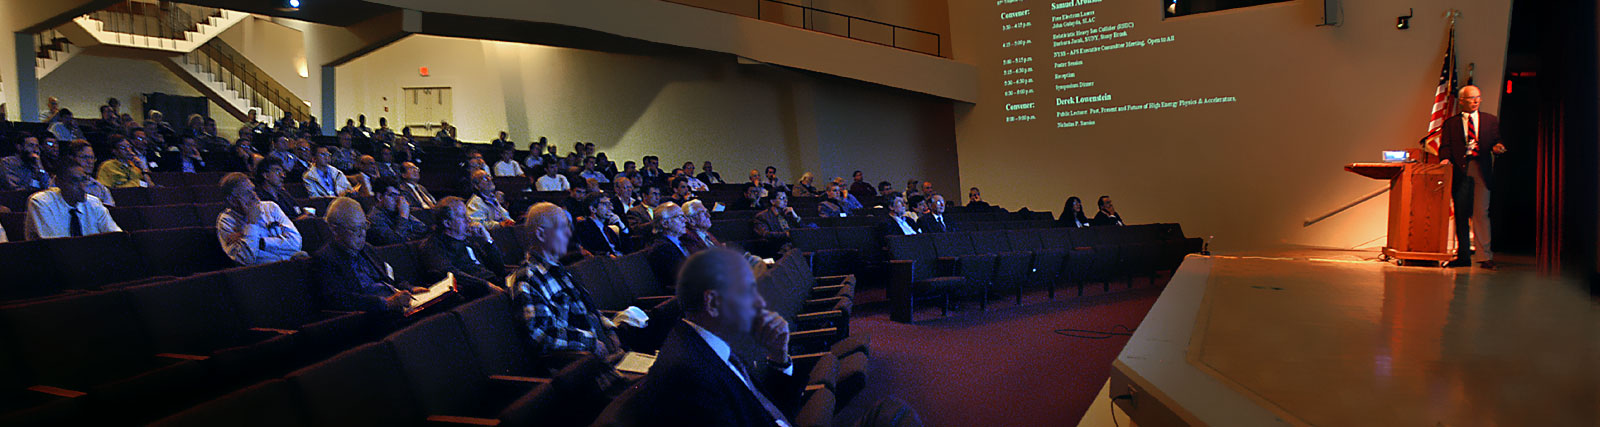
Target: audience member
{"x":697,"y":378}
{"x":416,"y":194}
{"x":551,"y":180}
{"x":1108,"y":213}
{"x":325,"y":180}
{"x":350,"y":274}
{"x":773,"y":223}
{"x":507,"y":165}
{"x":698,"y":224}
{"x":833,"y":206}
{"x":631,"y":172}
{"x":916,"y":206}
{"x":25,"y":170}
{"x":187,"y":159}
{"x":67,"y":211}
{"x":387,"y":167}
{"x":383,"y":133}
{"x":124,"y":171}
{"x":535,"y":160}
{"x":680,"y":190}
{"x":934,"y":221}
{"x":556,"y":314}
{"x":751,"y":200}
{"x":252,"y":231}
{"x":668,"y":251}
{"x":594,"y":227}
{"x":773,"y":183}
{"x":651,"y":172}
{"x":622,"y":196}
{"x":860,"y":188}
{"x":503,"y":143}
{"x":361,"y":126}
{"x":589,"y":171}
{"x":642,"y":216}
{"x":487,"y":207}
{"x":366,"y":170}
{"x":896,"y":224}
{"x":709,"y":176}
{"x":804,"y":188}
{"x":63,"y":127}
{"x":1072,"y":214}
{"x":461,"y":247}
{"x":80,"y":153}
{"x":344,"y":155}
{"x":390,"y":221}
{"x":269,"y":188}
{"x":913,"y":189}
{"x":927,"y":189}
{"x":695,"y":184}
{"x":975,"y":199}
{"x":51,"y":107}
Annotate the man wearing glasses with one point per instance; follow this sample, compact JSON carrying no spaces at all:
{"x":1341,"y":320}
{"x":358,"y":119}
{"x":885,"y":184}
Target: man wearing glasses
{"x":668,"y":252}
{"x":1469,"y":143}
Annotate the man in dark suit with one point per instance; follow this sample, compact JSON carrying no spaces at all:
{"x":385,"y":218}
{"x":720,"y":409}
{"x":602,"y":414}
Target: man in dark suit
{"x":1108,"y":213}
{"x":186,"y":159}
{"x":896,"y":224}
{"x":1466,"y":143}
{"x":668,"y":251}
{"x":698,"y":377}
{"x":593,"y":232}
{"x":641,"y":217}
{"x":934,"y":221}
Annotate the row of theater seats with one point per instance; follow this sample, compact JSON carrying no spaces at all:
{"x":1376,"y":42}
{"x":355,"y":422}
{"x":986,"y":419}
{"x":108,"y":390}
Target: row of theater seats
{"x":945,"y":265}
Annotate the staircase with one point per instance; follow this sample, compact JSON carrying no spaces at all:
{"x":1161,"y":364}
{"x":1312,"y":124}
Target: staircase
{"x":51,"y":50}
{"x":235,"y":83}
{"x":169,"y":27}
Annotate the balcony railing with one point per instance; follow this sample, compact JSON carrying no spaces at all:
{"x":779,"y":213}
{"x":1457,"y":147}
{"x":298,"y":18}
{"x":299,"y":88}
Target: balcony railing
{"x":824,"y":21}
{"x":235,"y":72}
{"x":165,"y":20}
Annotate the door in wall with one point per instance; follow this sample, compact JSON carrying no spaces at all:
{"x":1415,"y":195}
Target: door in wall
{"x":424,"y":108}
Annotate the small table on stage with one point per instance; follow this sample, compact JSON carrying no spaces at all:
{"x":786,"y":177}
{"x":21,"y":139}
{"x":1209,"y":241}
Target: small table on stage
{"x":1419,"y":208}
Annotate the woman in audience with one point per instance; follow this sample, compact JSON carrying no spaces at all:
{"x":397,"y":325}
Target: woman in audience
{"x":804,"y":188}
{"x":1072,"y":214}
{"x":269,"y":188}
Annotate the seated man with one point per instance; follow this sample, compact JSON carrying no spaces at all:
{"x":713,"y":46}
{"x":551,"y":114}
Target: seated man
{"x":709,"y":176}
{"x":896,"y":224}
{"x":391,"y":220}
{"x":252,"y":231}
{"x":349,"y":273}
{"x":551,"y":180}
{"x":324,"y":180}
{"x":82,"y":153}
{"x":1108,"y":213}
{"x":25,"y":170}
{"x":416,"y":194}
{"x":699,"y":225}
{"x":680,"y":190}
{"x":773,"y":223}
{"x":187,"y":159}
{"x":751,"y":200}
{"x":933,"y":221}
{"x":668,"y":251}
{"x":697,"y":378}
{"x":641,"y":217}
{"x":124,"y":171}
{"x":67,"y":211}
{"x":487,"y":207}
{"x":366,"y":170}
{"x":975,"y":199}
{"x":622,"y":196}
{"x":594,"y":228}
{"x":833,"y":205}
{"x":554,"y":311}
{"x":459,"y":246}
{"x":507,"y":165}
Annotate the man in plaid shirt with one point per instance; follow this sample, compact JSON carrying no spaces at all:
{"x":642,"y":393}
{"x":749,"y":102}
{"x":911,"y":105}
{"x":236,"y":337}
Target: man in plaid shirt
{"x":558,"y":314}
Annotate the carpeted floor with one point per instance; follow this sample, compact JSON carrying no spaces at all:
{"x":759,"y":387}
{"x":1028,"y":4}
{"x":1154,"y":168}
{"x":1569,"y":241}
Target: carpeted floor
{"x":1004,"y":367}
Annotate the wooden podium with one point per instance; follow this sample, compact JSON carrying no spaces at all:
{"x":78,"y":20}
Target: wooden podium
{"x":1419,"y":208}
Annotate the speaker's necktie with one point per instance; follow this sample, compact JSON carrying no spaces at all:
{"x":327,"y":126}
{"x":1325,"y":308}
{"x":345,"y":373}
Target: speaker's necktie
{"x":1472,"y":136}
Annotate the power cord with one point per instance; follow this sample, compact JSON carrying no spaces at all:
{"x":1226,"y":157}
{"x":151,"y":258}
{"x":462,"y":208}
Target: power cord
{"x":1112,"y":403}
{"x":1095,"y":335}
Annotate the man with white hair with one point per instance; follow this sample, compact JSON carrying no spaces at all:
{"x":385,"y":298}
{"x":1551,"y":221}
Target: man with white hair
{"x":252,"y":231}
{"x":1469,"y":142}
{"x":348,"y":270}
{"x":555,"y":312}
{"x":668,"y":251}
{"x":487,"y":207}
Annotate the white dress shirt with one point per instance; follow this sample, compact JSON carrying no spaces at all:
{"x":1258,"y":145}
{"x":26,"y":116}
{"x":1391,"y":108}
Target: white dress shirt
{"x":486,"y":212}
{"x":272,"y":238}
{"x":1469,"y":126}
{"x":552,"y":183}
{"x":507,"y":168}
{"x":595,"y":175}
{"x":696,"y":185}
{"x":325,"y":181}
{"x":905,"y":225}
{"x":49,"y":216}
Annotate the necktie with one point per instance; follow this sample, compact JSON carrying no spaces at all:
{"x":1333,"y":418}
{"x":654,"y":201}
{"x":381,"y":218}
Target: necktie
{"x":1472,"y":135}
{"x":749,"y":384}
{"x":74,"y":229}
{"x":941,"y":223}
{"x":327,"y":181}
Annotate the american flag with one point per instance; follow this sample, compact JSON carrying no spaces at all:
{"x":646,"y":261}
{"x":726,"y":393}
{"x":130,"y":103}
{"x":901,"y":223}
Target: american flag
{"x":1443,"y":97}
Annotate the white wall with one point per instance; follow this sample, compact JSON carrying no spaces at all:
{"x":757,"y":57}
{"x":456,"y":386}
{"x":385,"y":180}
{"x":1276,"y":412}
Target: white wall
{"x":681,"y":108}
{"x":84,"y":82}
{"x":278,"y":50}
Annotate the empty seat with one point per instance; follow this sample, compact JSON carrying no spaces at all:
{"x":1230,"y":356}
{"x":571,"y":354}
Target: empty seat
{"x":1047,"y":261}
{"x":362,"y":386}
{"x":268,"y":404}
{"x":912,"y":276}
{"x":278,"y":295}
{"x":438,"y":361}
{"x":497,"y":340}
{"x":101,"y":260}
{"x":1012,"y":266}
{"x":30,"y":271}
{"x":14,"y":222}
{"x":131,"y":196}
{"x":181,"y":251}
{"x":171,"y":195}
{"x":171,"y":216}
{"x":404,"y":262}
{"x":195,"y":315}
{"x":129,"y":218}
{"x":961,"y":259}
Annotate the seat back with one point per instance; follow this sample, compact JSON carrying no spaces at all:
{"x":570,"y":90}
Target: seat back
{"x":734,"y":230}
{"x":274,"y":295}
{"x":207,"y":213}
{"x":439,"y":363}
{"x":77,"y":340}
{"x":202,"y":179}
{"x":313,"y":233}
{"x":131,"y":196}
{"x":192,"y":315}
{"x":917,"y":248}
{"x":90,"y":262}
{"x":268,"y":404}
{"x":181,"y":251}
{"x":128,"y":217}
{"x":952,"y":244}
{"x":361,"y":386}
{"x":171,"y":195}
{"x":208,"y":194}
{"x":14,"y":222}
{"x":813,"y":239}
{"x":594,"y":275}
{"x":863,"y":239}
{"x":509,"y":241}
{"x":991,"y":242}
{"x":1024,"y":240}
{"x":170,"y":216}
{"x":30,"y":270}
{"x":635,"y":277}
{"x":403,"y":260}
{"x":499,"y":343}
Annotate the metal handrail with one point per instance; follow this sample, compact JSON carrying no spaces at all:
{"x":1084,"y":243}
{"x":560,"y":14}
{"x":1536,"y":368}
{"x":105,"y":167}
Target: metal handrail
{"x":808,"y":23}
{"x":168,"y":20}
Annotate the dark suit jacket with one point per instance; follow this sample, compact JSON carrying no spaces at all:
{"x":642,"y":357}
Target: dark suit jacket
{"x":639,"y":220}
{"x":172,"y":162}
{"x":1100,"y":218}
{"x":594,"y":237}
{"x":1453,"y":144}
{"x":926,"y":224}
{"x":665,"y":258}
{"x":690,"y":386}
{"x":710,"y":178}
{"x":888,"y":227}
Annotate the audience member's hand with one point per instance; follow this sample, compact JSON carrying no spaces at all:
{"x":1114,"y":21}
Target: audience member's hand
{"x":772,"y":332}
{"x":404,"y":207}
{"x":397,"y":301}
{"x":508,"y":223}
{"x":418,"y":289}
{"x":305,"y":216}
{"x":1444,"y":162}
{"x":1499,"y":149}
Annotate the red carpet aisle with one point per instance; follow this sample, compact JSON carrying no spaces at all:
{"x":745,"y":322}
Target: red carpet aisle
{"x":1005,"y":367}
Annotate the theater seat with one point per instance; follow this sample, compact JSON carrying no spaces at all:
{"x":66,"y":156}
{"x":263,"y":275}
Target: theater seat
{"x":171,"y":216}
{"x":496,"y":339}
{"x":361,"y":386}
{"x":404,"y":262}
{"x":1012,"y":266}
{"x":195,"y":315}
{"x":439,"y":363}
{"x":181,"y":251}
{"x":106,"y":260}
{"x":30,"y":271}
{"x":269,"y":404}
{"x":278,"y":295}
{"x":575,"y":396}
{"x":1047,"y":261}
{"x":817,"y":409}
{"x":912,"y":276}
{"x":958,"y":257}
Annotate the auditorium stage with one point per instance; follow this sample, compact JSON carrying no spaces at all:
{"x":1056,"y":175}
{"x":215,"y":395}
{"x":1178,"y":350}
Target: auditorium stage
{"x":1253,"y":341}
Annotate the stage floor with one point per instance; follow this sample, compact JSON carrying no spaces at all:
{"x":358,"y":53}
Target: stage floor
{"x":1242,"y":341}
